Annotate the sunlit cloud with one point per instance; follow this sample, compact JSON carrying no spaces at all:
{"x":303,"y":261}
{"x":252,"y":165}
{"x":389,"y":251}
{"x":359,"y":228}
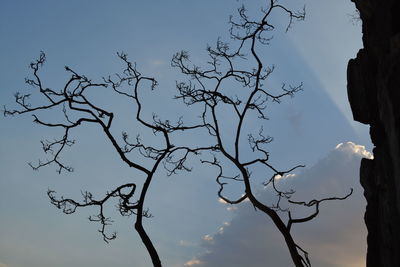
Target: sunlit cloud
{"x":208,"y":238}
{"x":220,"y":200}
{"x":288,"y":175}
{"x":231,"y":208}
{"x":334,"y":239}
{"x":356,"y":149}
{"x":3,"y":265}
{"x":193,"y":262}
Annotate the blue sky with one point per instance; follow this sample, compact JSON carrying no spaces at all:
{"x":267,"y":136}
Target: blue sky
{"x":86,"y":35}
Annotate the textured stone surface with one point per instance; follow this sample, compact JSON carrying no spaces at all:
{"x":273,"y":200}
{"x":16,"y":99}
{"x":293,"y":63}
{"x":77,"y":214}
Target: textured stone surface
{"x":374,"y":95}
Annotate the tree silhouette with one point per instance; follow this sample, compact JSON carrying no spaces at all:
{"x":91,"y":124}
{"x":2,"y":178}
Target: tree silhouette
{"x":233,"y":81}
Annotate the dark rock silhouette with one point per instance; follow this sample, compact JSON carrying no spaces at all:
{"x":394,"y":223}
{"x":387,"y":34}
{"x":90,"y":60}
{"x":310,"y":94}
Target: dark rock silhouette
{"x":374,"y":95}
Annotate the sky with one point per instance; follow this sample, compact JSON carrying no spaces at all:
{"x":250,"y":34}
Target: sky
{"x":191,"y":227}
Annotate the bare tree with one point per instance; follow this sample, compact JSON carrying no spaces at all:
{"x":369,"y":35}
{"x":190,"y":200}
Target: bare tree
{"x":226,"y":84}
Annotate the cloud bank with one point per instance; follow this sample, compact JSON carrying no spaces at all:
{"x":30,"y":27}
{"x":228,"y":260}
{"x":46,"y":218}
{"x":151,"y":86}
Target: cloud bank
{"x":336,"y":238}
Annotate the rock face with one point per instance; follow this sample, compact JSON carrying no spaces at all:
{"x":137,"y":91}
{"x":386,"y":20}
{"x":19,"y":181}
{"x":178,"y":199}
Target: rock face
{"x":374,"y":94}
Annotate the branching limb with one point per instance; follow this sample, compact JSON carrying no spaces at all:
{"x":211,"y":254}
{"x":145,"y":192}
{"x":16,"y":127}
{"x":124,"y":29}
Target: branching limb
{"x":126,"y":207}
{"x":221,"y":184}
{"x":313,"y":203}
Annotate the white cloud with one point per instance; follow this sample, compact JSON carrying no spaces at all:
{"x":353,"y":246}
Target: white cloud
{"x":356,"y":149}
{"x":220,"y":200}
{"x":193,"y":262}
{"x":336,"y":238}
{"x":288,"y":175}
{"x":208,"y":238}
{"x":231,"y":208}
